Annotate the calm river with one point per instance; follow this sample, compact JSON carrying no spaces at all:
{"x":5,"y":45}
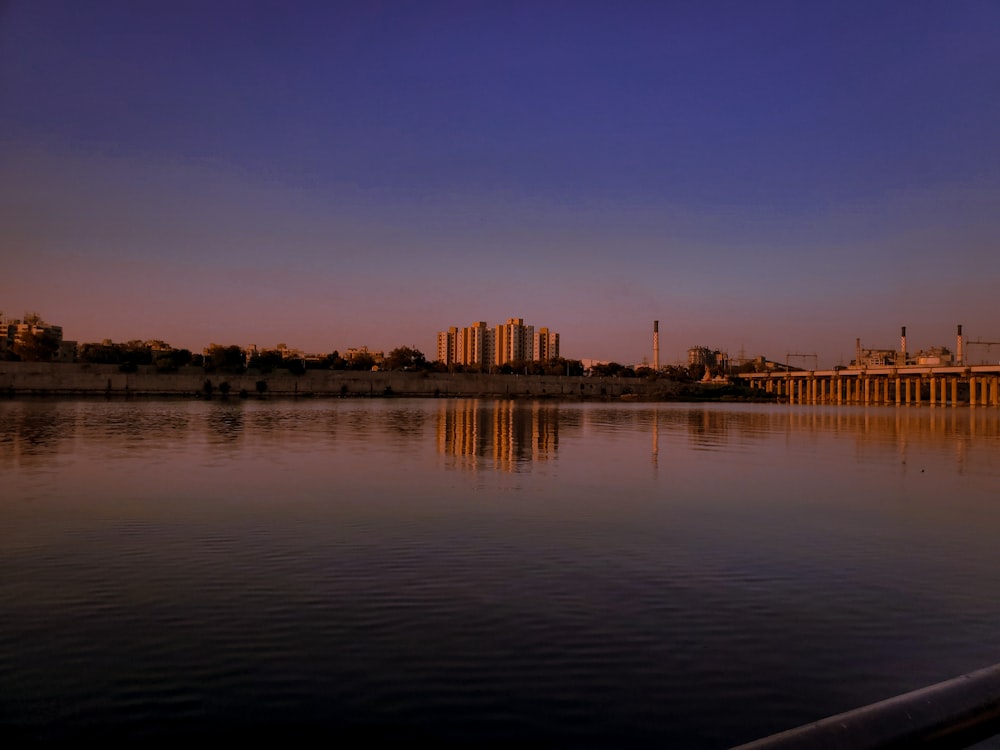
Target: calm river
{"x":485,"y":573}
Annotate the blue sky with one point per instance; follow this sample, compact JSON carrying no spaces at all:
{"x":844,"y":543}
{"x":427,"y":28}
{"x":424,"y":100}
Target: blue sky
{"x":772,"y":176}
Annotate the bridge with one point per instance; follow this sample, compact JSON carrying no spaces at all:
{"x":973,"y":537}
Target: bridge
{"x":913,"y":384}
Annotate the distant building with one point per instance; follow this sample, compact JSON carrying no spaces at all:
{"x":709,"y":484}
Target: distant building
{"x":15,"y":332}
{"x":363,"y":351}
{"x":514,"y":342}
{"x":480,"y":345}
{"x":710,"y":358}
{"x":876,"y":358}
{"x":447,"y":341}
{"x":546,"y":345}
{"x":936,"y":355}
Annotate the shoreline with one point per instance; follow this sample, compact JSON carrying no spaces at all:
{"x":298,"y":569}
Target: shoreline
{"x":19,"y":380}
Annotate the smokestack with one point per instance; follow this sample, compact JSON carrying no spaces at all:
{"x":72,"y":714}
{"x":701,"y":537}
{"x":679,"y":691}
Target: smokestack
{"x":959,"y":354}
{"x":902,"y":346}
{"x":656,"y":345}
{"x":857,"y":357}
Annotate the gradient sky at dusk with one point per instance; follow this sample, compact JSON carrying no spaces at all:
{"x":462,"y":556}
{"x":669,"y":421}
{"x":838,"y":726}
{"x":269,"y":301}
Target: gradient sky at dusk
{"x":768,"y":176}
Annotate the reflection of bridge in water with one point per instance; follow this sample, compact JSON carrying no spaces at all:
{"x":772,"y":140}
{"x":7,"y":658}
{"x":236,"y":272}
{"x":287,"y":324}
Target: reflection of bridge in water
{"x":969,"y":386}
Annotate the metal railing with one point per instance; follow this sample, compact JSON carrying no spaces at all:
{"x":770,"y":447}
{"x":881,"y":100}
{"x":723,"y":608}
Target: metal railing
{"x":956,"y":713}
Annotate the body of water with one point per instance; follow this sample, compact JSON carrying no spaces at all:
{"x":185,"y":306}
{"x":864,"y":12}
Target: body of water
{"x":486,"y":572}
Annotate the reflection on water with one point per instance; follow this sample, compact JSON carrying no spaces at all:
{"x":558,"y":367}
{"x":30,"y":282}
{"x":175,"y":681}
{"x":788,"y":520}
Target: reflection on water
{"x":510,"y":434}
{"x":575,"y":574}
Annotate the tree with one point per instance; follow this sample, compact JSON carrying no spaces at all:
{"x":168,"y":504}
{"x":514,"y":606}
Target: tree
{"x":335,"y":361}
{"x":32,"y":346}
{"x":362,"y":361}
{"x":696,"y":371}
{"x":611,"y":369}
{"x":266,"y":360}
{"x":224,"y":359}
{"x":676,"y":372}
{"x":562,"y":366}
{"x":136,"y":353}
{"x":171,"y":360}
{"x":405,"y":358}
{"x":105,"y":353}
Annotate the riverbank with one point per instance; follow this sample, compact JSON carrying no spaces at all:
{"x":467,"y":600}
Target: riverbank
{"x":33,"y":379}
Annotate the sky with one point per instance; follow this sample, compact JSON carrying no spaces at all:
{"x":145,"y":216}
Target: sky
{"x":765,"y":178}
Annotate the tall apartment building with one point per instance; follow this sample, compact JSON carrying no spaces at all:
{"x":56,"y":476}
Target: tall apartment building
{"x":447,"y":341}
{"x":485,"y":346}
{"x":515,"y":342}
{"x":546,"y":344}
{"x":476,"y":345}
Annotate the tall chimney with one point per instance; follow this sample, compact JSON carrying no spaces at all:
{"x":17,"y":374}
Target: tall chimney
{"x":857,"y":357}
{"x":656,"y":345}
{"x":959,"y":354}
{"x":902,"y":346}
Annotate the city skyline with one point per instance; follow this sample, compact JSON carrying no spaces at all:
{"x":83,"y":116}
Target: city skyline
{"x":513,"y":341}
{"x":769,"y":179}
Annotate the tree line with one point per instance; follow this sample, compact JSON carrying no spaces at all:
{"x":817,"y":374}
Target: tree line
{"x":130,"y":355}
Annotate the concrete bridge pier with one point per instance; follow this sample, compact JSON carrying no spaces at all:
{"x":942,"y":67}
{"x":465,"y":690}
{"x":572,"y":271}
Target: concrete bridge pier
{"x":945,"y":386}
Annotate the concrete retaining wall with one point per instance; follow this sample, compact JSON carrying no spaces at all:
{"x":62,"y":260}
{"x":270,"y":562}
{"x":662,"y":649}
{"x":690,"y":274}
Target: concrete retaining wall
{"x":43,"y":378}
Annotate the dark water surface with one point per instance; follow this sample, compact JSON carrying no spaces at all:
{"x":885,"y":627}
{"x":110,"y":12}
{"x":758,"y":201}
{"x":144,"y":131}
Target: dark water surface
{"x":480,"y":572}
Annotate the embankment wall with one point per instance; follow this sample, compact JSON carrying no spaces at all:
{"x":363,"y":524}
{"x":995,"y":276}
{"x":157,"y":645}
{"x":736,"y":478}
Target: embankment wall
{"x":43,"y":378}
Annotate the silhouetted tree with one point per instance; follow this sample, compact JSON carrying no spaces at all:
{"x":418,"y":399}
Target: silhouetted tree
{"x":362,"y":361}
{"x":172,"y":360}
{"x":35,"y":346}
{"x":99,"y":354}
{"x":612,"y":369}
{"x":696,"y":371}
{"x":224,"y":359}
{"x":266,"y":360}
{"x":405,"y":358}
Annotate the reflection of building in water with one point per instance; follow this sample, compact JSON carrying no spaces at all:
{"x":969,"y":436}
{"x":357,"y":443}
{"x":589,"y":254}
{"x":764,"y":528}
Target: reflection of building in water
{"x":509,"y":433}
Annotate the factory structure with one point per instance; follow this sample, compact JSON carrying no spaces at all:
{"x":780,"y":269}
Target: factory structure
{"x":968,"y":375}
{"x":965,"y":353}
{"x":480,"y":345}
